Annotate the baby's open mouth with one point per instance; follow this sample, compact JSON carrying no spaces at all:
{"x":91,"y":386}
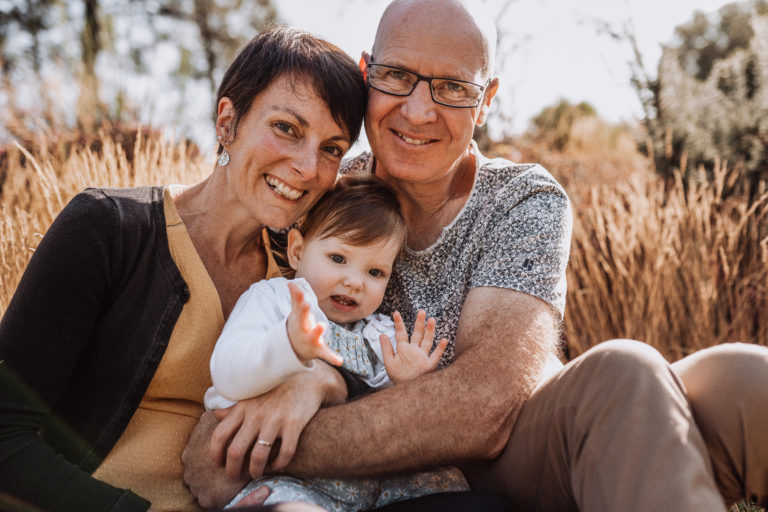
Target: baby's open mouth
{"x":343,"y":300}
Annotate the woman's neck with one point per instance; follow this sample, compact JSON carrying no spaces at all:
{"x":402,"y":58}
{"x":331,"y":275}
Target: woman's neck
{"x":226,"y":238}
{"x":215,"y":219}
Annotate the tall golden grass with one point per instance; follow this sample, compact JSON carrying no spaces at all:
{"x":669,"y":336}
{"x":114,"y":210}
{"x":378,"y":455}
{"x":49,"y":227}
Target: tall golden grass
{"x":40,"y":180}
{"x":679,"y":266}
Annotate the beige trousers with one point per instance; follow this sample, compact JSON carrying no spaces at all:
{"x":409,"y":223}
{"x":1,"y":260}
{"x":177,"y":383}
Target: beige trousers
{"x":619,"y":428}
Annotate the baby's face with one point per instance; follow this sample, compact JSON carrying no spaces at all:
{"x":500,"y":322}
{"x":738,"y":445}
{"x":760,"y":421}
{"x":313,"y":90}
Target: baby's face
{"x":349,"y":280}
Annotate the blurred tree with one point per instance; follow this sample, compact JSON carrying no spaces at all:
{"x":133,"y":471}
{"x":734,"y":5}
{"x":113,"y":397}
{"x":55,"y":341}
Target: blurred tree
{"x":90,"y":109}
{"x":507,"y":42}
{"x":553,"y":125}
{"x":704,"y":40}
{"x":223,"y":26}
{"x":712,"y":93}
{"x":32,"y":18}
{"x":709,"y":102}
{"x":106,"y":47}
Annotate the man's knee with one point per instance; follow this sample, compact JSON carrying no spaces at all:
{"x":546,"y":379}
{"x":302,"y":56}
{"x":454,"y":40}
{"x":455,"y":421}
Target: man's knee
{"x":726,"y":382}
{"x":623,"y":359}
{"x":624,"y":374}
{"x":728,"y":370}
{"x":727,"y":386}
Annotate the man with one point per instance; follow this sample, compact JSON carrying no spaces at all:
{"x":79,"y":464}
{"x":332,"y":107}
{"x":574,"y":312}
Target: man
{"x":488,"y":244}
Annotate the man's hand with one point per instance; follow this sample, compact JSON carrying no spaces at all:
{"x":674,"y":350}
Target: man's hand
{"x":249,"y":428}
{"x":413,"y":356}
{"x":205,"y":479}
{"x":305,"y":334}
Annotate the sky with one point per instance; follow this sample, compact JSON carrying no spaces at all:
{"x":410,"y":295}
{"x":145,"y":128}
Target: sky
{"x":555,"y":49}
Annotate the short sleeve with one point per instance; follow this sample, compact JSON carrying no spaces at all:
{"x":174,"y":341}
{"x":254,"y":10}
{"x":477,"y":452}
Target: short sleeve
{"x":526,"y":243}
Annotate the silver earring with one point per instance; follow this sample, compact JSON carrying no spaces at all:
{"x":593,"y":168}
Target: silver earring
{"x":223,"y":159}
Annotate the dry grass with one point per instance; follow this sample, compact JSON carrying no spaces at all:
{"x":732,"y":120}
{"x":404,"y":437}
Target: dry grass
{"x":679,"y":266}
{"x":39,"y":181}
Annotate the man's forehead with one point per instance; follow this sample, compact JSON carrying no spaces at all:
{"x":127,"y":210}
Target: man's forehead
{"x":441,"y":25}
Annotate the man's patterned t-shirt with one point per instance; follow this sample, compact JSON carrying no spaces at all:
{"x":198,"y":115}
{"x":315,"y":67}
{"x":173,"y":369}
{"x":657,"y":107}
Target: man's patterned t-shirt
{"x":514,"y":232}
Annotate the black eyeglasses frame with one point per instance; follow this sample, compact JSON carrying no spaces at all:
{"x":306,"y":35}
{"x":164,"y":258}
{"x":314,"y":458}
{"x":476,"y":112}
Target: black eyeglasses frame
{"x":429,"y":79}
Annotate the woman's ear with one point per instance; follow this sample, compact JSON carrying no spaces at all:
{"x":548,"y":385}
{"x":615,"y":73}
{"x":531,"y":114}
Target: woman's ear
{"x":295,"y":248}
{"x":225,"y":117}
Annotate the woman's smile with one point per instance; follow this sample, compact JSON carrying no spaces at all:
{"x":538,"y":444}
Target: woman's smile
{"x":282,"y":189}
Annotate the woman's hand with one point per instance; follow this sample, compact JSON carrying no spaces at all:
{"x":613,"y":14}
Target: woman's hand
{"x":413,"y":356}
{"x":249,"y":428}
{"x":305,"y":334}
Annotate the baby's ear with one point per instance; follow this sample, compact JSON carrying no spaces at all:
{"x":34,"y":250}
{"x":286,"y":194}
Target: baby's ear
{"x":295,"y":248}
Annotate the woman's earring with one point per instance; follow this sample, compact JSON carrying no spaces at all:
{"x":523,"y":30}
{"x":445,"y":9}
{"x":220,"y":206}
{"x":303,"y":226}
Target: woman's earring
{"x":224,"y":155}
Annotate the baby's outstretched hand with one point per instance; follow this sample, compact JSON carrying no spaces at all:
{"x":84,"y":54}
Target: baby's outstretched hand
{"x":413,"y":356}
{"x":305,"y":333}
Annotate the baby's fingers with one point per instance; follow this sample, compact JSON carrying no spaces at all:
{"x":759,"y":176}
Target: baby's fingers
{"x":387,"y":352}
{"x":401,"y":334}
{"x":300,"y":308}
{"x":297,"y":296}
{"x":320,"y":348}
{"x":434,"y":357}
{"x":429,"y":335}
{"x":326,"y":354}
{"x":418,"y":328}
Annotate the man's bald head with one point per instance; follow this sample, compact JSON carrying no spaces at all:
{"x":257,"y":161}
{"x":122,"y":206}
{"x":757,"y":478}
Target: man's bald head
{"x":462,"y":19}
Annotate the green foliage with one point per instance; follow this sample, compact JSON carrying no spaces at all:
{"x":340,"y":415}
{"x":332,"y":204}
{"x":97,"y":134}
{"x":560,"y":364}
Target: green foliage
{"x":706,"y":39}
{"x":711,"y":96}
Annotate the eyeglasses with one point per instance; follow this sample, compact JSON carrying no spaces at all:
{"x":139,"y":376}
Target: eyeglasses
{"x":445,"y":91}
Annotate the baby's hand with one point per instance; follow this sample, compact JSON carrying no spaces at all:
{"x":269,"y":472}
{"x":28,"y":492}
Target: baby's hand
{"x":412,"y":358}
{"x":305,"y":334}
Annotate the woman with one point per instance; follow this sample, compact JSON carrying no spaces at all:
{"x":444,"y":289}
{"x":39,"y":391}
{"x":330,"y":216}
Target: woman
{"x":105,"y":345}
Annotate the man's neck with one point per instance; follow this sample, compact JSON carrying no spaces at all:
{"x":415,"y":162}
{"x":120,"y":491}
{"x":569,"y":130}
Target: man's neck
{"x":431,"y":206}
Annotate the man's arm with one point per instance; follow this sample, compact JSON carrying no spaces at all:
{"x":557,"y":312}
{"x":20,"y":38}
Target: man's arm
{"x":462,"y":412}
{"x":281,"y":412}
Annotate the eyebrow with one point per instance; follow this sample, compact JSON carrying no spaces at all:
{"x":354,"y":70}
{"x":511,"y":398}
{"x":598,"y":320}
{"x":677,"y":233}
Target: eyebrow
{"x":304,"y":122}
{"x":408,"y":69}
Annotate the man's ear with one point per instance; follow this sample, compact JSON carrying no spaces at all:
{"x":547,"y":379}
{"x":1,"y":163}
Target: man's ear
{"x":365,"y":59}
{"x":295,"y":248}
{"x":485,"y":106}
{"x":225,"y":118}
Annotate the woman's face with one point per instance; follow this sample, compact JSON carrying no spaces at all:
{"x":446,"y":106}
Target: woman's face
{"x":286,"y":152}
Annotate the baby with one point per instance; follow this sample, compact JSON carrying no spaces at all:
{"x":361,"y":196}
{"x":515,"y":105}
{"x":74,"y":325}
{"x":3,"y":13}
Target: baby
{"x":342,"y":256}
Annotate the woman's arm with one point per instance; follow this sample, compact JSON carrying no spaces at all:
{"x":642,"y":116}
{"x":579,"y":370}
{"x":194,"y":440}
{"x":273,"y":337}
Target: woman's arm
{"x":43,"y":334}
{"x":32,"y":473}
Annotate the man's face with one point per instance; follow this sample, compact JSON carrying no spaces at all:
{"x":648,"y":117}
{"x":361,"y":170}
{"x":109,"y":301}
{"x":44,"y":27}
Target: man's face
{"x":413,"y":138}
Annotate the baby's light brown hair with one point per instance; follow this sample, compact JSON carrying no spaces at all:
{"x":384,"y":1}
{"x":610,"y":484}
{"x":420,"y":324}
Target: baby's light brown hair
{"x":360,"y":210}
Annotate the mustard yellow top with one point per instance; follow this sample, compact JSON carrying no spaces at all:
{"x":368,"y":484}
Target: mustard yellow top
{"x":147,"y":457}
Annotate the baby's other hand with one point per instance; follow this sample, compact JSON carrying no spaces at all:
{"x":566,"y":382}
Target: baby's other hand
{"x":413,"y":356}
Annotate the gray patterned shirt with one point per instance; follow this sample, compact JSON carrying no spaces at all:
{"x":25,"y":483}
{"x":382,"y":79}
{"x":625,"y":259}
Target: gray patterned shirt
{"x":514,"y":232}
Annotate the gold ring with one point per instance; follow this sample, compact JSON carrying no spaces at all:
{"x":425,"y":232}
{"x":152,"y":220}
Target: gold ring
{"x":264,"y":443}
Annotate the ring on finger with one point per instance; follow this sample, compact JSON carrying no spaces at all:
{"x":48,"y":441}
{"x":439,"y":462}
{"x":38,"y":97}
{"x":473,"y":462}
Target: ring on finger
{"x":264,"y":443}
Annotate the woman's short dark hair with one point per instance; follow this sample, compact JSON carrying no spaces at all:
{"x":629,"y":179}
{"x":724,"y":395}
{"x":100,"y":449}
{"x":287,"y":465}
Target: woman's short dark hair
{"x":360,"y":209}
{"x":285,"y":51}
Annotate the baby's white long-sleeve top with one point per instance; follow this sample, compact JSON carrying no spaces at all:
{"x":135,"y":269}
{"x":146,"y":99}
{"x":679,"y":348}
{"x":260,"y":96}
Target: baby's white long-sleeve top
{"x":254,"y":354}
